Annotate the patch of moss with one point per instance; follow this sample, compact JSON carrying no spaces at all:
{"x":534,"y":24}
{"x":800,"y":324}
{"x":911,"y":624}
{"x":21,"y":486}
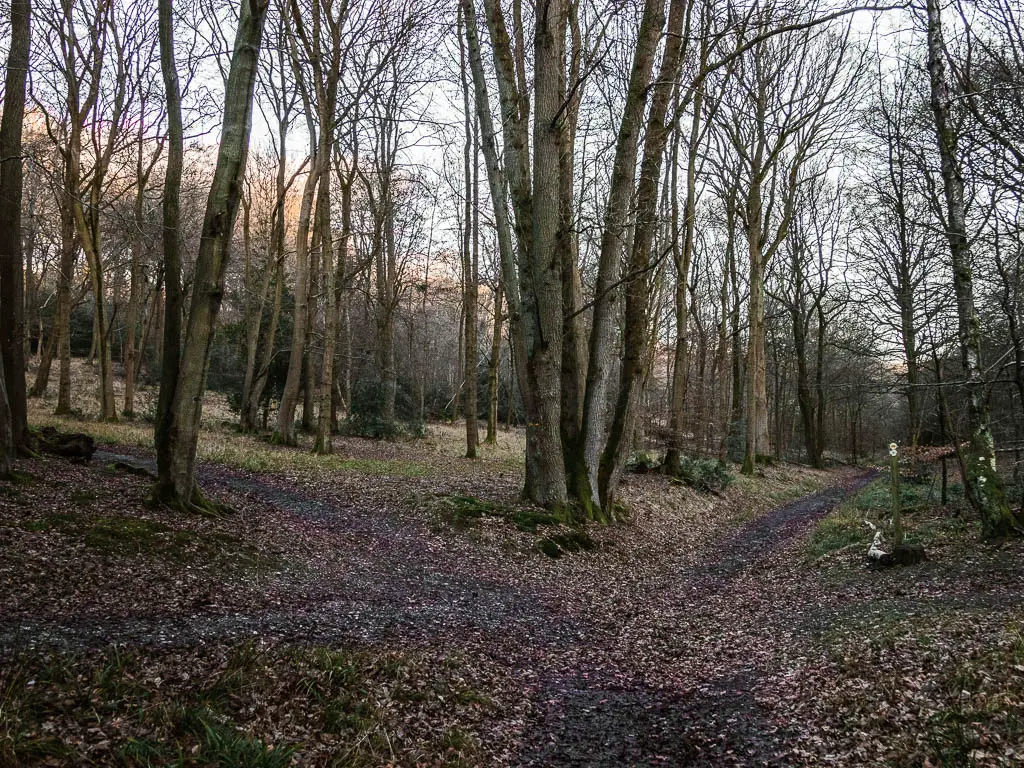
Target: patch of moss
{"x":548,"y":547}
{"x":566,"y":542}
{"x":528,"y":520}
{"x":463,"y":512}
{"x":83,"y":498}
{"x":121,"y":535}
{"x":835,"y":532}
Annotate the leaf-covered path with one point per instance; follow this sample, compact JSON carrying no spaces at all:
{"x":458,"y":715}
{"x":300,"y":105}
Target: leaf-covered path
{"x":659,"y":653}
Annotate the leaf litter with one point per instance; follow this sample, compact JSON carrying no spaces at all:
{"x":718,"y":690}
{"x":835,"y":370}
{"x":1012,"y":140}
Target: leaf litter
{"x":337,"y":619}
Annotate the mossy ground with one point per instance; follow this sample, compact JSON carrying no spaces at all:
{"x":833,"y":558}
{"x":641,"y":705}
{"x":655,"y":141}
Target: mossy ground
{"x":555,"y":535}
{"x":925,"y":521}
{"x":250,"y":705}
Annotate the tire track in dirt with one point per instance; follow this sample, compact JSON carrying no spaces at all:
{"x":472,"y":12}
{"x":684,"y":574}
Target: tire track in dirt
{"x":593,"y":708}
{"x":600,"y":720}
{"x":391,"y":590}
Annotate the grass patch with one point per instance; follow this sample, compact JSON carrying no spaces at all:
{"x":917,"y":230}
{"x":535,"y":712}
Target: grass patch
{"x":125,"y":535}
{"x":924,"y":523}
{"x":843,"y":527}
{"x":227,"y":446}
{"x":252,"y":705}
{"x":567,"y":542}
{"x":463,"y":512}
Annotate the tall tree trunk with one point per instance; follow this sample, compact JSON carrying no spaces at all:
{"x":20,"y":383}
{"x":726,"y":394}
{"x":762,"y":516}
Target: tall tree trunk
{"x":983,"y":486}
{"x":492,"y":370}
{"x":135,"y":287}
{"x":33,"y":320}
{"x":285,"y":432}
{"x":722,"y":359}
{"x":12,"y":307}
{"x":166,"y":431}
{"x":89,"y":236}
{"x":542,"y":296}
{"x":756,"y":392}
{"x":470,"y":255}
{"x":500,"y":198}
{"x":574,"y":340}
{"x":607,"y":299}
{"x":7,"y":450}
{"x":250,"y":415}
{"x":218,"y":225}
{"x":65,"y":273}
{"x":683,"y":255}
{"x":638,"y":290}
{"x":323,"y":425}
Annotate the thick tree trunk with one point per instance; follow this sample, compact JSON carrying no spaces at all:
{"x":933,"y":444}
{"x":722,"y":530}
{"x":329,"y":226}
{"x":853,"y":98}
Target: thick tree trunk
{"x":983,"y":485}
{"x":542,"y":296}
{"x":638,"y":291}
{"x":607,"y":299}
{"x":12,"y":329}
{"x":218,"y":225}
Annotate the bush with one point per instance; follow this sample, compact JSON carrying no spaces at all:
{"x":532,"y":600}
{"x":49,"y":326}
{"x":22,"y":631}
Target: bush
{"x":367,"y":413}
{"x":707,"y":475}
{"x":642,"y":462}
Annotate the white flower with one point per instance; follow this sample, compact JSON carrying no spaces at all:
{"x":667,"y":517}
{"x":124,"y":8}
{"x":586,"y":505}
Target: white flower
{"x":981,"y":480}
{"x":892,"y":448}
{"x":892,"y":452}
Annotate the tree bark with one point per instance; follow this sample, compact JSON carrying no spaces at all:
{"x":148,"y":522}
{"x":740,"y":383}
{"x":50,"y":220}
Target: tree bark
{"x":65,"y":273}
{"x":470,"y":256}
{"x":12,"y":336}
{"x":323,"y":426}
{"x":492,"y":370}
{"x":166,"y":431}
{"x":607,"y":298}
{"x":982,"y":483}
{"x":638,"y":290}
{"x":218,"y":225}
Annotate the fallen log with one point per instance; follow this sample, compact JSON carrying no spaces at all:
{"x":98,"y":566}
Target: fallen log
{"x":75,"y":446}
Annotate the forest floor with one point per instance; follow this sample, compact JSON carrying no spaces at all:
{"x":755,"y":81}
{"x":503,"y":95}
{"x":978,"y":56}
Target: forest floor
{"x":393,"y":604}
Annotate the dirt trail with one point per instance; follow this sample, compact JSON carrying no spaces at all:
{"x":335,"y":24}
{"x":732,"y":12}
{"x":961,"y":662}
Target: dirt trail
{"x":708,"y":715}
{"x":637,"y":686}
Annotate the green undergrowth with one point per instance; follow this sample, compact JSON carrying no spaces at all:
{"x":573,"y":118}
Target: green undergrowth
{"x":128,"y":535}
{"x":249,"y":706}
{"x":926,"y":522}
{"x":557,"y":536}
{"x":239,"y":451}
{"x":705,"y":475}
{"x":956,"y":682}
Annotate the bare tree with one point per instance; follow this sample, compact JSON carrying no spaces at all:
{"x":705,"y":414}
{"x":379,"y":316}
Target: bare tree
{"x":983,"y":486}
{"x":177,"y":483}
{"x":13,"y":406}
